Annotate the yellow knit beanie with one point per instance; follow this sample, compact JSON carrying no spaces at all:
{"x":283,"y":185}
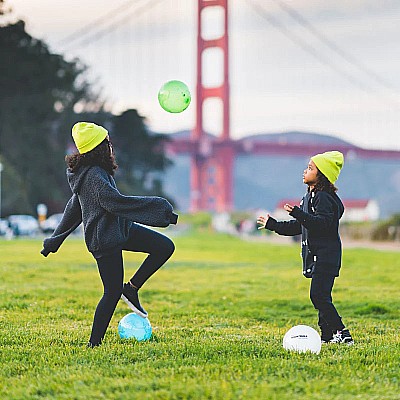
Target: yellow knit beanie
{"x":87,"y":136}
{"x":330,"y":164}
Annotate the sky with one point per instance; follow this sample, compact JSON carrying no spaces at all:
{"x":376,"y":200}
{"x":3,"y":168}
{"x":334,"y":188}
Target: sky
{"x":323,"y":66}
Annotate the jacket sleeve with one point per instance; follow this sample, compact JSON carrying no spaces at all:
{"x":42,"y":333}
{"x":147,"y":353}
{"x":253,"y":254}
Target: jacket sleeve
{"x":70,"y":221}
{"x":324,"y":213}
{"x":284,"y":228}
{"x":146,"y":210}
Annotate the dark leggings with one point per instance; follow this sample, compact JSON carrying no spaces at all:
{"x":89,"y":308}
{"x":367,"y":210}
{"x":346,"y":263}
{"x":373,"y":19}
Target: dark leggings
{"x":111,"y":268}
{"x":321,"y":296}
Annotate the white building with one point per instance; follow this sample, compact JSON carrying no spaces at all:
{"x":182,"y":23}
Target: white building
{"x":360,"y":210}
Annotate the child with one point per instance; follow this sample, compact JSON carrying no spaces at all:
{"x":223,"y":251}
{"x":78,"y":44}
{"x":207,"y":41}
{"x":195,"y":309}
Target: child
{"x":317,"y":220}
{"x":109,"y":220}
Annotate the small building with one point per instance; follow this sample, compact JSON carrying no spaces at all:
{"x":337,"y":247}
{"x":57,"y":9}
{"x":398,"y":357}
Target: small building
{"x":360,"y":210}
{"x":355,"y":210}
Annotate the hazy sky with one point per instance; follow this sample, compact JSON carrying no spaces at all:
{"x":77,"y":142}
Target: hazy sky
{"x":331,"y":66}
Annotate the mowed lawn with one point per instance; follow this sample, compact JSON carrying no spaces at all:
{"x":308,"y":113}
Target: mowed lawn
{"x":219,"y":311}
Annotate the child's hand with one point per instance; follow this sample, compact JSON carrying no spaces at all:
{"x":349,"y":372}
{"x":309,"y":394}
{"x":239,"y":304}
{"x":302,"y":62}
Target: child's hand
{"x":288,"y":207}
{"x":262,"y":221}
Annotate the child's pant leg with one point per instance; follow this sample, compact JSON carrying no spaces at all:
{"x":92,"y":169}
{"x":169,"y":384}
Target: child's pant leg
{"x":111,"y":271}
{"x":321,"y":297}
{"x":158,"y":247}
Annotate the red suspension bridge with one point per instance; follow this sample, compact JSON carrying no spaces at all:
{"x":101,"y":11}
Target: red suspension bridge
{"x":213,"y":156}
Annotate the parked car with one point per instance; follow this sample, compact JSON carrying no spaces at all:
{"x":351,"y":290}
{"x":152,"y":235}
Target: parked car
{"x":3,"y":226}
{"x":50,"y":224}
{"x":23,"y":224}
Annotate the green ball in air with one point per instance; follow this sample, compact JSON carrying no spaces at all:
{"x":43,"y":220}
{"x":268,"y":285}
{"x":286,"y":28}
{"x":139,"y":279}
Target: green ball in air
{"x":174,"y":96}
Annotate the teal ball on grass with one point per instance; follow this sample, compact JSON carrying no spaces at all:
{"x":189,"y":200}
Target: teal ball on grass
{"x":133,"y":326}
{"x":174,"y":96}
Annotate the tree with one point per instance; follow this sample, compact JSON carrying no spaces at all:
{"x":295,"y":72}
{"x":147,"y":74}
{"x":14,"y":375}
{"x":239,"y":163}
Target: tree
{"x":38,"y":93}
{"x":38,"y":90}
{"x":140,"y":155}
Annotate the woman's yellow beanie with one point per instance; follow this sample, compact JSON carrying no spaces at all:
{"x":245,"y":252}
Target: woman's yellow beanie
{"x":87,"y":136}
{"x":330,"y":164}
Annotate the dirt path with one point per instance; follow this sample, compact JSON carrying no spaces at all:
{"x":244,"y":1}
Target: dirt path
{"x":347,"y":243}
{"x":385,"y":246}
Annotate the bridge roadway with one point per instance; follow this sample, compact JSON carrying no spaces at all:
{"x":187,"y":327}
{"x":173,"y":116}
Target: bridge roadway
{"x":207,"y":146}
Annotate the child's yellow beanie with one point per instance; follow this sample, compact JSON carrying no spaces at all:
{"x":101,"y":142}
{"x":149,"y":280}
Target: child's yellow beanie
{"x":87,"y":136}
{"x":330,"y":164}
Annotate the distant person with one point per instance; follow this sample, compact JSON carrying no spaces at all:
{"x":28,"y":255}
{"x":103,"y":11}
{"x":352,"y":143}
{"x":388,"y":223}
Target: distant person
{"x":317,"y":220}
{"x":109,"y":219}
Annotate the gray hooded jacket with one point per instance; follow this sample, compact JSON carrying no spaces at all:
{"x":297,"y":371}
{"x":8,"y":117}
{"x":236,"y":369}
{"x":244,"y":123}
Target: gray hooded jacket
{"x":107,"y":215}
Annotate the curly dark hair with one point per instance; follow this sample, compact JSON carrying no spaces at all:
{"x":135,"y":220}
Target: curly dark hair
{"x":323,"y":184}
{"x":102,"y":156}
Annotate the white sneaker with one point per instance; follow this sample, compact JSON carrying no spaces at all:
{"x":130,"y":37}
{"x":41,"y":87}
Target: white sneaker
{"x":342,"y":337}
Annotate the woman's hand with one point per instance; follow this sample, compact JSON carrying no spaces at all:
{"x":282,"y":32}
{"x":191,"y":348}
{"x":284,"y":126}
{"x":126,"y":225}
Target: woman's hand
{"x":288,"y":208}
{"x":262,"y":221}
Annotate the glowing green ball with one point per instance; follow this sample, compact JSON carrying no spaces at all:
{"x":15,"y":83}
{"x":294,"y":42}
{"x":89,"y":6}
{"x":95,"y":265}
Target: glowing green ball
{"x":174,"y":96}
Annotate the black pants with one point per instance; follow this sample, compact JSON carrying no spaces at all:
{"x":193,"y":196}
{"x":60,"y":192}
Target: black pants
{"x":111,"y":268}
{"x":321,"y":296}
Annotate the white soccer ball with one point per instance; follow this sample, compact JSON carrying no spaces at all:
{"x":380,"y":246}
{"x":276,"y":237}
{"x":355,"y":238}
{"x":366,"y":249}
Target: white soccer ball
{"x":302,"y":338}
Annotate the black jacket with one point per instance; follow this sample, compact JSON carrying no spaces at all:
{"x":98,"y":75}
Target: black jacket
{"x":107,"y":215}
{"x":317,"y":220}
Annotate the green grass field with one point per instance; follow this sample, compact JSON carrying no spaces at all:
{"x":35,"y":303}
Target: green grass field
{"x":219,"y":311}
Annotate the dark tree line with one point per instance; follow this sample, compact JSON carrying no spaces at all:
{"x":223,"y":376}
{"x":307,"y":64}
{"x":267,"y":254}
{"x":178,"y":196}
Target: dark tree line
{"x":38,"y":93}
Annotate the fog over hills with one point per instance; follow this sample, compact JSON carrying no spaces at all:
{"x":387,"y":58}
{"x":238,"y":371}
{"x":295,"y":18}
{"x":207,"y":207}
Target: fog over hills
{"x":261,"y":181}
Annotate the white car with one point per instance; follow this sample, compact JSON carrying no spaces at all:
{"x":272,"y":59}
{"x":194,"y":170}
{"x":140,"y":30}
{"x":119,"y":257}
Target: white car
{"x":3,"y":226}
{"x":50,"y":224}
{"x":23,"y":224}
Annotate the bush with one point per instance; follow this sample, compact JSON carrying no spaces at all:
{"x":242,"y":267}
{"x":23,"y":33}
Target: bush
{"x":388,"y":230}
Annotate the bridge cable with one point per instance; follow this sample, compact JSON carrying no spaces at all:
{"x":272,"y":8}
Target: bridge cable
{"x":333,"y":46}
{"x":311,"y":50}
{"x":98,"y":34}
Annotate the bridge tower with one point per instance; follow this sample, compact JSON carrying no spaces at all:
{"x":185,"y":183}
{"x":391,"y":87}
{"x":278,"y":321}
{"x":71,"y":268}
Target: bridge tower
{"x":212,"y":161}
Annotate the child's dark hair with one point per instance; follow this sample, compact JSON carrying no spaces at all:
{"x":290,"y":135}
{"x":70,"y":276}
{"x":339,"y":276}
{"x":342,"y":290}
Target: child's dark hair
{"x":323,"y":184}
{"x":101,"y":156}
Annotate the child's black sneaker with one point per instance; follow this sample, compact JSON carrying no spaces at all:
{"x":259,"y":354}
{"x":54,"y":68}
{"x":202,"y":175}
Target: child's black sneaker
{"x":342,"y":337}
{"x":130,"y":296}
{"x":326,"y":339}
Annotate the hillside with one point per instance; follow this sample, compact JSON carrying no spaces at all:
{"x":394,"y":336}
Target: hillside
{"x":261,"y":181}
